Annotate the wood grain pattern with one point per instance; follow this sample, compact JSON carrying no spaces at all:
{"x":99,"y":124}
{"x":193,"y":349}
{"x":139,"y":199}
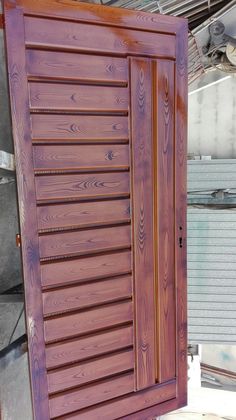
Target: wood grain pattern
{"x":166,"y":337}
{"x":88,"y":90}
{"x":84,"y":241}
{"x":76,"y":67}
{"x":27,"y":207}
{"x":92,"y":268}
{"x":76,"y":127}
{"x":81,"y":157}
{"x":86,"y":295}
{"x":102,"y":15}
{"x":87,"y":396}
{"x":160,"y":398}
{"x":76,"y":37}
{"x":67,"y":97}
{"x":164,"y":407}
{"x":181,"y":100}
{"x":142,"y":195}
{"x":61,"y":187}
{"x":86,"y":347}
{"x":88,"y":321}
{"x":89,"y":371}
{"x":83,"y":214}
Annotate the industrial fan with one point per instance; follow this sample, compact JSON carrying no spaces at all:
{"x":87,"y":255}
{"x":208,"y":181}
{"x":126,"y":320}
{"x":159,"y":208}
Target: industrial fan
{"x":221,"y":49}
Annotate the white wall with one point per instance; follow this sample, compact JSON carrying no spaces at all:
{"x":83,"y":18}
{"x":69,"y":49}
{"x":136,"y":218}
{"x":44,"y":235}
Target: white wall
{"x":212,"y":120}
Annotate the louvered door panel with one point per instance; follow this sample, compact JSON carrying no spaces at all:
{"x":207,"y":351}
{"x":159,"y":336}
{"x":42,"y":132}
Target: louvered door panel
{"x":101,"y":185}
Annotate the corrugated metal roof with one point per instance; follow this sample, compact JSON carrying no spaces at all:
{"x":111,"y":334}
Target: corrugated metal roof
{"x":211,"y":257}
{"x":195,"y":11}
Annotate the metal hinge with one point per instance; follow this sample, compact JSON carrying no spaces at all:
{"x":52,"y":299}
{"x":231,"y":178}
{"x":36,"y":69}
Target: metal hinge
{"x":18,"y":240}
{"x":2,"y":21}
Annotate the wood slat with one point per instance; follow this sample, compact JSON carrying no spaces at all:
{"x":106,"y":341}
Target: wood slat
{"x":21,"y":130}
{"x":132,"y":403}
{"x":90,"y":395}
{"x":61,"y":187}
{"x":166,"y":337}
{"x":102,"y":14}
{"x":92,"y":370}
{"x":86,"y":295}
{"x":76,"y":67}
{"x":84,"y":242}
{"x":84,"y":348}
{"x":93,"y":38}
{"x":77,"y":127}
{"x":81,"y":157}
{"x":88,"y":321}
{"x":83,"y":214}
{"x":82,"y":269}
{"x":67,"y":97}
{"x":142,"y":195}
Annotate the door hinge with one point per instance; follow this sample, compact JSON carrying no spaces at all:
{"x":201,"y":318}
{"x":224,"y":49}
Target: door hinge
{"x":2,"y":21}
{"x":18,"y":240}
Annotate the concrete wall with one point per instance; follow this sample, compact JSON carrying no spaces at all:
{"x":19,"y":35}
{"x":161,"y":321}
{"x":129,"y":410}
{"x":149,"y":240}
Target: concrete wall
{"x":212,"y":120}
{"x":10,"y":265}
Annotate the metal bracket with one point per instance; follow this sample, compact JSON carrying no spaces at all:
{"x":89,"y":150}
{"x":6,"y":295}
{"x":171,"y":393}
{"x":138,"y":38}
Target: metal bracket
{"x":2,"y":21}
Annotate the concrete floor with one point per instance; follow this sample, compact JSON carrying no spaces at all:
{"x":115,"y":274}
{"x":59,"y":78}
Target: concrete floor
{"x":210,"y":404}
{"x":15,"y":388}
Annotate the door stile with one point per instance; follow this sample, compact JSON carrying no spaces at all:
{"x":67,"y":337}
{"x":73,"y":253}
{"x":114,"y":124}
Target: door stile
{"x":142,"y":216}
{"x":27,"y":208}
{"x":164,"y":219}
{"x":181,"y":101}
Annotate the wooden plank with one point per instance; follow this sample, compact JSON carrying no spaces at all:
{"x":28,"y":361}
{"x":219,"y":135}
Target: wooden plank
{"x":163,"y":395}
{"x":164,"y":407}
{"x":181,"y":97}
{"x":68,"y":97}
{"x":84,"y":241}
{"x":89,"y":371}
{"x":76,"y":67}
{"x":77,"y":127}
{"x":93,"y":394}
{"x":81,"y":157}
{"x":102,"y":14}
{"x":61,"y":187}
{"x":142,"y":196}
{"x":83,"y":214}
{"x":73,"y":36}
{"x":86,"y":322}
{"x":84,"y":348}
{"x":28,"y":218}
{"x":166,"y":315}
{"x":86,"y":295}
{"x":82,"y":269}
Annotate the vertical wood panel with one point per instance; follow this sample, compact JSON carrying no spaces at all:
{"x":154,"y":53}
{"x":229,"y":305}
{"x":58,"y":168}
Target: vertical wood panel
{"x":142,"y":184}
{"x":165,"y":257}
{"x":180,"y":210}
{"x":27,"y":208}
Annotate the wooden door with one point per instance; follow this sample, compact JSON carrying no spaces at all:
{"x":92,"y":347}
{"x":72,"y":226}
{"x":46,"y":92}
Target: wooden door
{"x":98,"y":102}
